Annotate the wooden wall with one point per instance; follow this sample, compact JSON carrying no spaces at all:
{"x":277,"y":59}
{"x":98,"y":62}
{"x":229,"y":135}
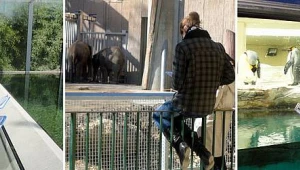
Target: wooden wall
{"x":216,"y":15}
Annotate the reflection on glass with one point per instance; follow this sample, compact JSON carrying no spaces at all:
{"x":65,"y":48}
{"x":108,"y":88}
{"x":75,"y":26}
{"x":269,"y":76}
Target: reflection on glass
{"x":41,"y":97}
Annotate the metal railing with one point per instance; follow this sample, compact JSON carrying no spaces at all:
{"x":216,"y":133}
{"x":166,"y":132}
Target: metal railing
{"x":8,"y":154}
{"x":129,"y":140}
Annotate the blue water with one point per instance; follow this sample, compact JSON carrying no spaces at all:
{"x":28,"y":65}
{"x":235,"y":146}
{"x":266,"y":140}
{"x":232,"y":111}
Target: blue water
{"x":263,"y":128}
{"x":277,"y":166}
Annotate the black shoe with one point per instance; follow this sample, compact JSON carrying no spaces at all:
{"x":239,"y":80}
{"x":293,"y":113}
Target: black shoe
{"x":218,"y":163}
{"x":181,"y":148}
{"x":184,"y":153}
{"x":200,"y":150}
{"x":206,"y":157}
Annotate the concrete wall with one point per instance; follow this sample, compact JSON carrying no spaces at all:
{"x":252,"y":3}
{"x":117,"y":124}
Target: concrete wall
{"x":278,"y":60}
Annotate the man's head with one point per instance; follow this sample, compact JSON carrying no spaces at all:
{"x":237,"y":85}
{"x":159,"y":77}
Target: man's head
{"x":195,"y":19}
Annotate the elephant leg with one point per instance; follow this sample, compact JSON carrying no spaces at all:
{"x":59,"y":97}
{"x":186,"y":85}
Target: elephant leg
{"x":78,"y":72}
{"x":95,"y":73}
{"x":104,"y":74}
{"x":85,"y":73}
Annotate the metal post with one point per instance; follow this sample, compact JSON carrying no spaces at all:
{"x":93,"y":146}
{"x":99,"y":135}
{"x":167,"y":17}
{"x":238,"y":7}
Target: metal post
{"x":26,"y":90}
{"x":72,"y":149}
{"x":29,"y":36}
{"x":87,"y":141}
{"x":163,"y":64}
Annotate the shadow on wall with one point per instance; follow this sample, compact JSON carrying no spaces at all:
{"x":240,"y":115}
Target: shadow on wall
{"x":109,"y":18}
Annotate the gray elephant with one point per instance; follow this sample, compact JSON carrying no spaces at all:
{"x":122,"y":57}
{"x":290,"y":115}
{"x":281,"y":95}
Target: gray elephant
{"x":111,"y":61}
{"x":294,"y":61}
{"x":79,"y":61}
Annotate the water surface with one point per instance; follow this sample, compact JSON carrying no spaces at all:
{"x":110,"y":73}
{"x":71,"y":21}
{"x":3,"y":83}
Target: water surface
{"x":264,"y":128}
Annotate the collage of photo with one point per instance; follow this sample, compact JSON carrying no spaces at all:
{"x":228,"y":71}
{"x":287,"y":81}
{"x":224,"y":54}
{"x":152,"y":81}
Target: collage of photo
{"x":149,"y":85}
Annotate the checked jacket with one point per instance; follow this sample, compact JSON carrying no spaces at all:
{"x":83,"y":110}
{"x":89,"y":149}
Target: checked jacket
{"x":200,"y":66}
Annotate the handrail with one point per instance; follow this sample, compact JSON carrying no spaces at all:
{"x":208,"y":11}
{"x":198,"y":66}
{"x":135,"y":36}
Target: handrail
{"x":12,"y":148}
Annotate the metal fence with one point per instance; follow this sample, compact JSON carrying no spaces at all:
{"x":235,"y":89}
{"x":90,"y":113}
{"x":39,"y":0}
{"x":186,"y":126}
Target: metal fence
{"x":117,"y":132}
{"x":99,"y":41}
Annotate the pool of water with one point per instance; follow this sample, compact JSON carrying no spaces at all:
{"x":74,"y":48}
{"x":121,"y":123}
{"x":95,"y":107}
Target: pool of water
{"x":41,"y":96}
{"x":275,"y":166}
{"x":281,"y":156}
{"x":264,"y":128}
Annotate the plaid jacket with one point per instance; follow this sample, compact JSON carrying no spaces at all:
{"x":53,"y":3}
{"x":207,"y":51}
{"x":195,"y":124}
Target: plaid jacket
{"x":200,"y":66}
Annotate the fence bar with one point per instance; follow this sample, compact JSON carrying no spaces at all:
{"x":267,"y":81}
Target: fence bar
{"x":214,"y":133}
{"x":125,"y":141}
{"x":223,"y":139}
{"x":192,"y":155}
{"x":232,"y":137}
{"x":112,"y":158}
{"x":203,"y":134}
{"x":171,"y":141}
{"x":160,"y":141}
{"x":87,"y":141}
{"x":72,"y":151}
{"x":137,"y":141}
{"x":149,"y":140}
{"x":100,"y":143}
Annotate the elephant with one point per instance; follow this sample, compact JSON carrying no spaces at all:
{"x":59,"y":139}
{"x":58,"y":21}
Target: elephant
{"x":111,"y":61}
{"x":79,"y":61}
{"x":293,"y":59}
{"x":249,"y":67}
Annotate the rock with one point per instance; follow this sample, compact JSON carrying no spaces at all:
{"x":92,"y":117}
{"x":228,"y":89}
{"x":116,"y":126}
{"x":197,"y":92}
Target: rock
{"x":282,"y":97}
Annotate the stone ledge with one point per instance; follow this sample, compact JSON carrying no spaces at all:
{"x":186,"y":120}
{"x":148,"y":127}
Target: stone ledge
{"x":274,"y":98}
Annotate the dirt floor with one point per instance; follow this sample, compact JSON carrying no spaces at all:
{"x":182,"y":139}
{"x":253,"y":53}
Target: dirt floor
{"x":105,"y":88}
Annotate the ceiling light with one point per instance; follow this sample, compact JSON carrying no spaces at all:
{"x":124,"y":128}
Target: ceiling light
{"x":272,"y":32}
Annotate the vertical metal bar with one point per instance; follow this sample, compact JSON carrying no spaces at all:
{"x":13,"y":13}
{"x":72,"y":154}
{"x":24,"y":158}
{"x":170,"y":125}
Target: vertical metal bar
{"x":214,"y":133}
{"x":87,"y":141}
{"x":232,"y":137}
{"x":29,"y":36}
{"x":72,"y":150}
{"x":163,"y":65}
{"x":171,"y":141}
{"x":223,"y":138}
{"x":137,"y":141}
{"x":100,"y":143}
{"x":149,"y":140}
{"x":125,"y":142}
{"x":160,"y":141}
{"x":203,"y":134}
{"x":192,"y":155}
{"x":112,"y":158}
